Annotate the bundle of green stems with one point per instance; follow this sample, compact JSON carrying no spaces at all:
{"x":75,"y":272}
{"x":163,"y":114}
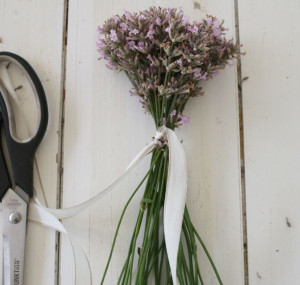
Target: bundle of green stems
{"x":167,"y":57}
{"x":150,"y":253}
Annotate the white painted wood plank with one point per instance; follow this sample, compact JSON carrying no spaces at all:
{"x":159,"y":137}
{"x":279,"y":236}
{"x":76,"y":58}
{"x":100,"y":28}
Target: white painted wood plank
{"x":270,"y":32}
{"x":105,"y":128}
{"x":33,"y":29}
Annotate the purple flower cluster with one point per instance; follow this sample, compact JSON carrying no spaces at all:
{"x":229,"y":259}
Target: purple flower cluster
{"x":166,"y":57}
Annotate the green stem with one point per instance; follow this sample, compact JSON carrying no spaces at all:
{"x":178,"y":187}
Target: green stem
{"x":190,"y":252}
{"x":152,"y":258}
{"x":154,"y":159}
{"x":149,"y":235}
{"x":172,"y":107}
{"x":205,"y":249}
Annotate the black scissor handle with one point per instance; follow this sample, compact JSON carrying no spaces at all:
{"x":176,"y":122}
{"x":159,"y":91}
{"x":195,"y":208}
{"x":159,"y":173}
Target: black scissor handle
{"x":21,"y":154}
{"x":5,"y":182}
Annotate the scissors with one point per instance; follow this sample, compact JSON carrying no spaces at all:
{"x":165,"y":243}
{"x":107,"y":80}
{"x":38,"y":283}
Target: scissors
{"x":16,"y":167}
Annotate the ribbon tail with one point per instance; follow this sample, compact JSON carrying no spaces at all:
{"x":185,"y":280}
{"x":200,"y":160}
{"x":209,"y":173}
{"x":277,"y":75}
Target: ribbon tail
{"x":75,"y":210}
{"x":82,"y":273}
{"x":175,"y":199}
{"x":49,"y":217}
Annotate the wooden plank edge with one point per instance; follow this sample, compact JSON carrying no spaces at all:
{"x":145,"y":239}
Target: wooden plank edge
{"x":242,"y":149}
{"x":60,"y":154}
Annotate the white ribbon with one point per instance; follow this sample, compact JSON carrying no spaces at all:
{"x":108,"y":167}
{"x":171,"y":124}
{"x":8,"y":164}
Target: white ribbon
{"x":73,"y":211}
{"x":82,"y":271}
{"x":175,"y":198}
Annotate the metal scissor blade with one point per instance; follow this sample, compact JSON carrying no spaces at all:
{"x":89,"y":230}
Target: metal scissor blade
{"x":14,"y":236}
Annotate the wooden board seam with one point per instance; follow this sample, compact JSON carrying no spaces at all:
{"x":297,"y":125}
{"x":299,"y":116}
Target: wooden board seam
{"x":60,"y":156}
{"x":242,"y":150}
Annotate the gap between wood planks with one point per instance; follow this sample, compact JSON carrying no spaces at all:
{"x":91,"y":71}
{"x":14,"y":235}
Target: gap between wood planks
{"x":242,"y":150}
{"x":60,"y":154}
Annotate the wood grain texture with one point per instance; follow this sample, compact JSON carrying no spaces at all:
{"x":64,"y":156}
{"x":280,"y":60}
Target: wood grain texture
{"x":270,"y":32}
{"x":105,"y":128}
{"x":33,"y":29}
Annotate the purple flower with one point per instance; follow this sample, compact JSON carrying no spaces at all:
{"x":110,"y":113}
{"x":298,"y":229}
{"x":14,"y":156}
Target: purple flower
{"x":101,"y":30}
{"x":204,"y":76}
{"x":180,"y":10}
{"x":151,"y":32}
{"x":179,"y":62}
{"x":216,"y":23}
{"x":140,"y":100}
{"x":221,"y":49}
{"x":141,"y":44}
{"x":170,"y":10}
{"x":103,"y":55}
{"x":208,"y":20}
{"x":158,"y":21}
{"x":183,"y":119}
{"x":198,"y":72}
{"x":116,"y":19}
{"x":217,"y":32}
{"x":151,"y":59}
{"x":135,"y":31}
{"x":193,"y":30}
{"x":128,"y":15}
{"x":131,"y":45}
{"x":185,"y":20}
{"x":159,"y":39}
{"x":113,"y":35}
{"x":100,"y":43}
{"x":123,"y":26}
{"x":172,"y":114}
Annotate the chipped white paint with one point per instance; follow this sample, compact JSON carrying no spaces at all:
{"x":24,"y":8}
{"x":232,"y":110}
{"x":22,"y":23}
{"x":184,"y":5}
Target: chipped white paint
{"x":33,"y":29}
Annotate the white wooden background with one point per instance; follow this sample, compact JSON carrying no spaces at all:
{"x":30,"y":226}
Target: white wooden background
{"x":242,"y":145}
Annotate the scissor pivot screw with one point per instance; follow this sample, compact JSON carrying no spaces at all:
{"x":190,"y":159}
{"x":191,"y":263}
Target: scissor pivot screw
{"x":14,"y":217}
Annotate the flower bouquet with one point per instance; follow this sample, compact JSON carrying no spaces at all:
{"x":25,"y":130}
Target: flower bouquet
{"x":166,"y":58}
